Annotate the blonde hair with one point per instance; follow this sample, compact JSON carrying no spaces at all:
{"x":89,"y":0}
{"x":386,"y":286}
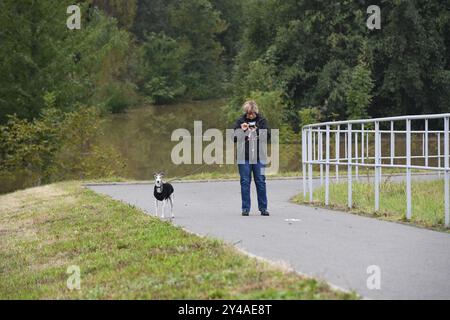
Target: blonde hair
{"x":250,"y":106}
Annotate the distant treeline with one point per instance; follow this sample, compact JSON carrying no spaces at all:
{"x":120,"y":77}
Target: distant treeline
{"x":126,"y":51}
{"x":302,"y":60}
{"x":307,"y":53}
{"x":322,"y":59}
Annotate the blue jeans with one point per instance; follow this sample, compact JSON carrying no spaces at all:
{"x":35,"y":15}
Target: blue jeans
{"x":245,"y":171}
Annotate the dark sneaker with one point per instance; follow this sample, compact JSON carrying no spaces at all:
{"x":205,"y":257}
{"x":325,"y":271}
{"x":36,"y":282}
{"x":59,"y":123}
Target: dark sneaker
{"x":265,"y":213}
{"x":245,"y":213}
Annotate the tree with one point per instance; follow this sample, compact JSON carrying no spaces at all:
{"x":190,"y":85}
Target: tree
{"x":152,"y":16}
{"x":309,"y":45}
{"x":196,"y":31}
{"x":309,"y":116}
{"x":54,"y":147}
{"x":163,"y":78}
{"x":28,"y":35}
{"x":39,"y":55}
{"x":411,"y":59}
{"x":123,"y":10}
{"x":231,"y":11}
{"x":358,"y":92}
{"x":313,"y":50}
{"x":196,"y":25}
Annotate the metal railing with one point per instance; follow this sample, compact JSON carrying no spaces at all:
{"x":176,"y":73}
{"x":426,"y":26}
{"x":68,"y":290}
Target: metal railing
{"x":377,"y":143}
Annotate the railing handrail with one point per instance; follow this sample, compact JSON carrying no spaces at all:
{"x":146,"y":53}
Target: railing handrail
{"x":363,"y":121}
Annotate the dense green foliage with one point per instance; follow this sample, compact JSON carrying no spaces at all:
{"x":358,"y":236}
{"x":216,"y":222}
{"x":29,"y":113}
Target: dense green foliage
{"x":316,"y":54}
{"x":123,"y":10}
{"x":57,"y":146}
{"x":41,"y":57}
{"x":321,"y":54}
{"x":301,"y":60}
{"x":49,"y":75}
{"x":188,"y":46}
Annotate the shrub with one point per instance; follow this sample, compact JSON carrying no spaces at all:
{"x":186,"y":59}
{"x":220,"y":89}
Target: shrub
{"x":121,"y":97}
{"x":309,"y":116}
{"x":162,"y":71}
{"x":55,"y":147}
{"x":81,"y":156}
{"x":358,"y":92}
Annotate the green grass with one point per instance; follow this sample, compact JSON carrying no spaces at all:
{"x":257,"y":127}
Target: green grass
{"x":427,"y":201}
{"x":198,"y":177}
{"x":235,"y":175}
{"x":284,"y":174}
{"x":124,"y":254}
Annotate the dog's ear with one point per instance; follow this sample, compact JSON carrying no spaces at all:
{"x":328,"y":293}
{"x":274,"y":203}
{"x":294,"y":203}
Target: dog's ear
{"x":155,"y":174}
{"x":162,"y":174}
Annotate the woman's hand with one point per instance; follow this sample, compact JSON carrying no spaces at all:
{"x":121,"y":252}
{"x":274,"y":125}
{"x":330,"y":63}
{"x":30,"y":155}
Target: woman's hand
{"x":244,"y":126}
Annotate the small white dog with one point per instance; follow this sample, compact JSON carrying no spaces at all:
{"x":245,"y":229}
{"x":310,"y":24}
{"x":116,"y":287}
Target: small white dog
{"x":163,"y":193}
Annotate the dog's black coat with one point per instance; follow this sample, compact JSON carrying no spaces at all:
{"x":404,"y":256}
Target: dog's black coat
{"x":167,"y":191}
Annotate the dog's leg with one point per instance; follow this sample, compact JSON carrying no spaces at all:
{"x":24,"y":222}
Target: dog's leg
{"x":163,"y":208}
{"x":156,"y":208}
{"x":171,"y":199}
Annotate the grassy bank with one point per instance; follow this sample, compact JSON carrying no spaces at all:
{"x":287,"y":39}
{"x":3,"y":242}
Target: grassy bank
{"x":202,"y":176}
{"x":235,"y":175}
{"x":124,"y":254}
{"x":291,"y":174}
{"x":427,"y":201}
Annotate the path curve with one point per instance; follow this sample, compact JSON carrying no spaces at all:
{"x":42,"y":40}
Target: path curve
{"x":333,"y":246}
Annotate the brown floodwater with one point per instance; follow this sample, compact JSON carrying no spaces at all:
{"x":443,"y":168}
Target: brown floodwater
{"x":143,"y":136}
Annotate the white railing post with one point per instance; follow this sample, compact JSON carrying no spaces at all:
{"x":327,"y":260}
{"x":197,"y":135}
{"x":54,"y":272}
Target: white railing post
{"x":345,"y":143}
{"x":338,"y":151}
{"x":423,"y":145}
{"x":362,"y":143}
{"x":327,"y":169}
{"x":304,"y":155}
{"x":447,"y":172}
{"x":392,"y":143}
{"x":426,"y":142}
{"x":310,"y":166}
{"x":367,"y":146}
{"x":380,"y":139}
{"x":349,"y":165}
{"x":314,"y":145}
{"x":408,"y":170}
{"x":320,"y":154}
{"x":356,"y":157}
{"x":439,"y":152}
{"x":377,"y":167}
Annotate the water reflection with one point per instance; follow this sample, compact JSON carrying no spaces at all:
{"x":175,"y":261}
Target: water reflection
{"x":143,"y":137}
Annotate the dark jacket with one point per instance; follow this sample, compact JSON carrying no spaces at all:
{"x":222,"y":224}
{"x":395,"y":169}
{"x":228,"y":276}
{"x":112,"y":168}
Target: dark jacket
{"x":252,"y":146}
{"x":165,"y":193}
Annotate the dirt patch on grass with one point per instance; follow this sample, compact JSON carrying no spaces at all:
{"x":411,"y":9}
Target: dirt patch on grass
{"x":59,"y":260}
{"x":21,"y":212}
{"x":17,"y":230}
{"x":27,"y":199}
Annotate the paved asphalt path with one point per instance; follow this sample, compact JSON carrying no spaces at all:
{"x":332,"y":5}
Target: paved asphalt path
{"x":333,"y":246}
